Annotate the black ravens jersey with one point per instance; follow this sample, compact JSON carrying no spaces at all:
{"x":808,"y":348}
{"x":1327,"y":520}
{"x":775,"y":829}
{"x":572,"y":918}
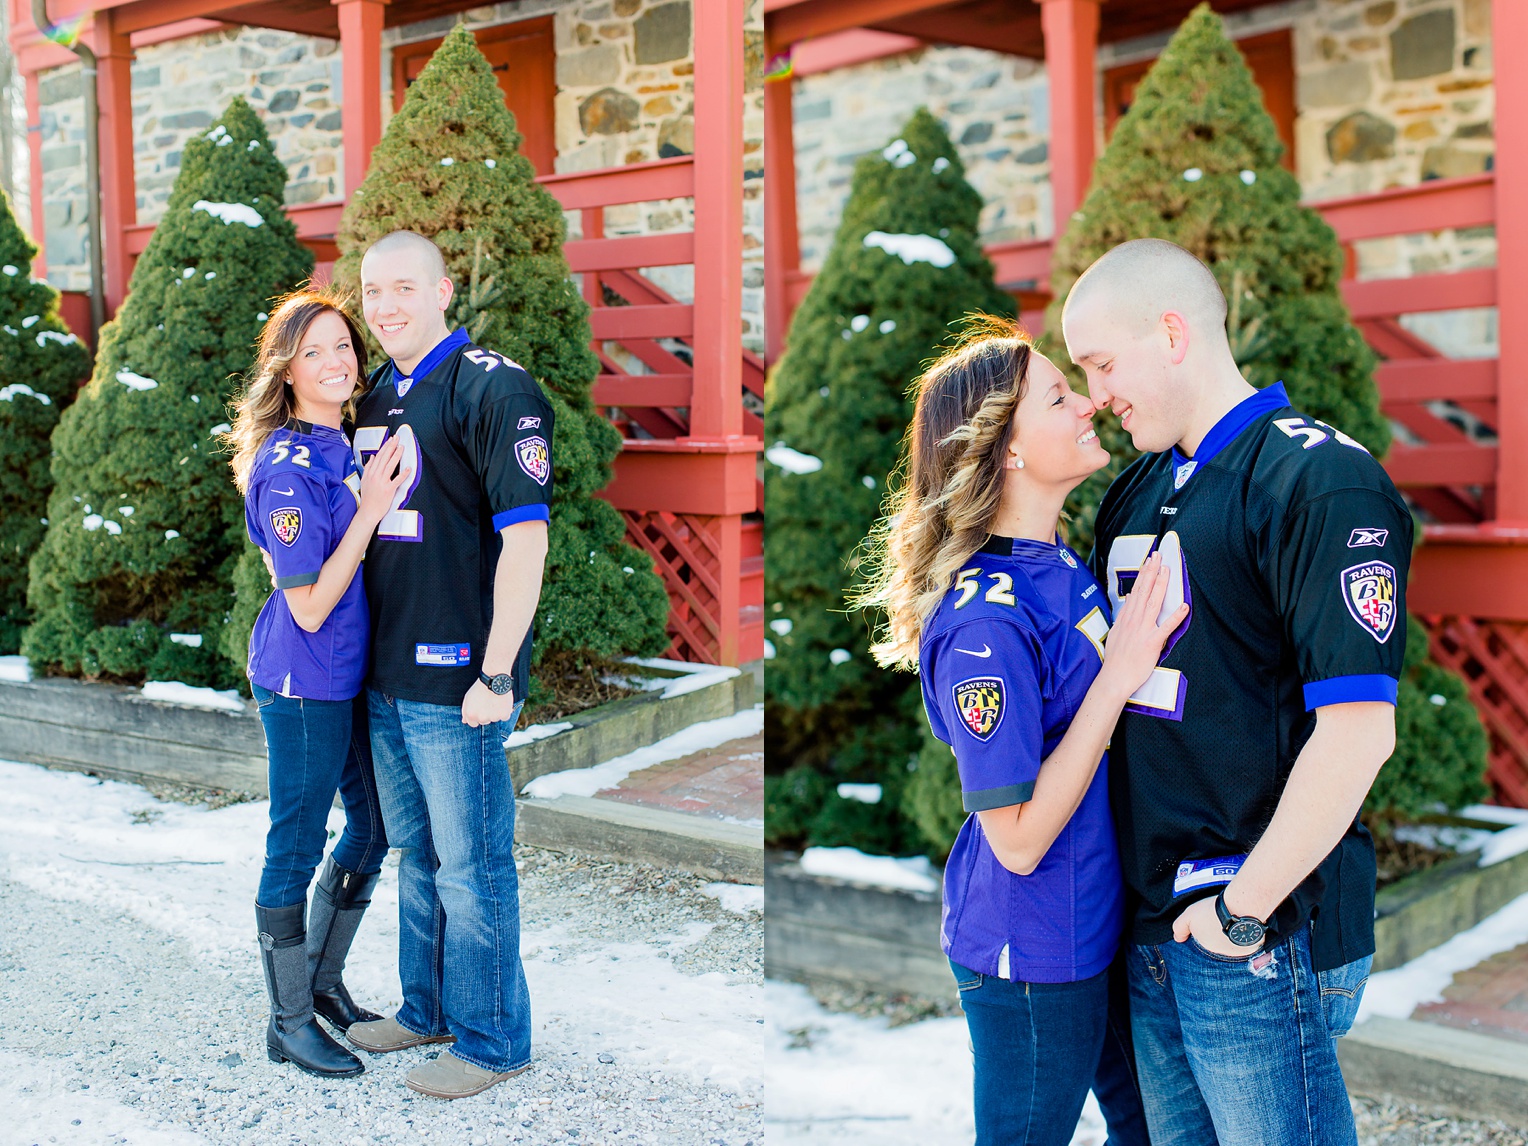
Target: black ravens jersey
{"x":477,"y":431}
{"x":1291,"y":547}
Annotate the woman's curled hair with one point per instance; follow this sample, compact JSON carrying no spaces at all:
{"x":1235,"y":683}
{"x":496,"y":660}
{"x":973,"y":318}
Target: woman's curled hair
{"x":951,"y":482}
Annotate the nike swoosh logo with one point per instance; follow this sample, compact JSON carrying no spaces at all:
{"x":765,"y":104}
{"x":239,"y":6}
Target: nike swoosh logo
{"x":986,"y":651}
{"x":284,"y":492}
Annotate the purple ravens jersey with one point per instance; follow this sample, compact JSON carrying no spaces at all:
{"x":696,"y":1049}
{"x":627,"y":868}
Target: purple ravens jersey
{"x":476,"y":430}
{"x":302,"y":495}
{"x":1005,"y":662}
{"x":1293,"y":547}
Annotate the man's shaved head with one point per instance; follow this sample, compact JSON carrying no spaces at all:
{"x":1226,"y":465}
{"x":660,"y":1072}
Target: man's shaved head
{"x":422,"y":253}
{"x":1141,"y":280}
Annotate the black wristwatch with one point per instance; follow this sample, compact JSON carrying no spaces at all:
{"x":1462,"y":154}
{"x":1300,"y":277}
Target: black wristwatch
{"x":499,"y":685}
{"x":1242,"y":930}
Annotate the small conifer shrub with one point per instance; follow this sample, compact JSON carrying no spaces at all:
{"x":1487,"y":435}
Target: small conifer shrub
{"x":134,"y":575}
{"x":41,"y":366}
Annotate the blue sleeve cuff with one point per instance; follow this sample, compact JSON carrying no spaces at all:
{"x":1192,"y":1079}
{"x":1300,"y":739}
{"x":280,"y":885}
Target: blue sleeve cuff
{"x":522,"y":513}
{"x":989,"y":798}
{"x":297,"y":580}
{"x":1347,"y":689}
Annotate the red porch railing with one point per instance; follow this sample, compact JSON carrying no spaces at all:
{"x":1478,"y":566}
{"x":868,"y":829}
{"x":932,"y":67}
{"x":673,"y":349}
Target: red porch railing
{"x":692,"y":504}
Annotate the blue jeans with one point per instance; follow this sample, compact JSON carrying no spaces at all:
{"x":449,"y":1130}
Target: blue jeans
{"x":1242,"y":1051}
{"x":450,"y":806}
{"x":314,"y":747}
{"x":1039,"y":1047}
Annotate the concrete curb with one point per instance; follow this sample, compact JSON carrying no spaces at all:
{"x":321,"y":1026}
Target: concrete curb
{"x":1476,"y":1075}
{"x":113,"y":731}
{"x":1431,"y":907}
{"x":630,"y":833}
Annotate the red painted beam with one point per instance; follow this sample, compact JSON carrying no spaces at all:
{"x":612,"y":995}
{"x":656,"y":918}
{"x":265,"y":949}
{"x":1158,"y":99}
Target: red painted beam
{"x":119,"y":194}
{"x":1470,"y":571}
{"x":1386,"y":298}
{"x":615,"y":323}
{"x":639,"y":183}
{"x":361,"y":83}
{"x":1510,"y":27}
{"x":845,"y":49}
{"x":791,"y":21}
{"x":1433,"y":206}
{"x":643,"y":389}
{"x":618,"y":254}
{"x":1431,"y":379}
{"x":678,"y":476}
{"x":178,"y":30}
{"x":315,"y":222}
{"x":782,"y":244}
{"x":1071,"y":47}
{"x":1027,"y":260}
{"x":1457,"y":464}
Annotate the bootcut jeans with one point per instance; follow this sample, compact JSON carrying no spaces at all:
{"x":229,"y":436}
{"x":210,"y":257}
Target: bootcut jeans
{"x":315,"y":747}
{"x":1242,"y":1051}
{"x":449,"y":804}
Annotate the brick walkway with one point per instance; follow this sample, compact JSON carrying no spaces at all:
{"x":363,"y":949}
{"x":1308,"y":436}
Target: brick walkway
{"x":1491,"y":999}
{"x":721,"y":783}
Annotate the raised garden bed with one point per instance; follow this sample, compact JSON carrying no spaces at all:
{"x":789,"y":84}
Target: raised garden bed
{"x":114,"y":731}
{"x":839,"y":931}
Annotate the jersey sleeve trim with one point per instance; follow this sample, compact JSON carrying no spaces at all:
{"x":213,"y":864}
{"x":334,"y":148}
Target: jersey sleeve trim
{"x":1348,"y":689}
{"x":988,"y":798}
{"x":297,"y":580}
{"x":522,"y":513}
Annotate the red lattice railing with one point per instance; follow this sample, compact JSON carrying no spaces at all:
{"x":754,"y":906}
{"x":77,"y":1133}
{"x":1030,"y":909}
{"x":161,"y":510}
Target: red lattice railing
{"x":1492,"y":656}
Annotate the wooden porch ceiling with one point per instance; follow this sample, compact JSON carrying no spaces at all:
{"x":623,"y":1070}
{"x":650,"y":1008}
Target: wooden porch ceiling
{"x":309,"y":17}
{"x":1011,"y":26}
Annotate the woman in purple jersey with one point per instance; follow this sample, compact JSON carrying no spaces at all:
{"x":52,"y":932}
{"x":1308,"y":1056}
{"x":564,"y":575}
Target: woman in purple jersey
{"x":1006,"y":628}
{"x":312,"y":515}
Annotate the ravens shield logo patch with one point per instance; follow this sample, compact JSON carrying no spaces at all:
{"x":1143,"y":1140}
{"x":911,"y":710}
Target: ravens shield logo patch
{"x":286,"y":524}
{"x":1369,"y":593}
{"x":534,"y":458}
{"x":980,"y":704}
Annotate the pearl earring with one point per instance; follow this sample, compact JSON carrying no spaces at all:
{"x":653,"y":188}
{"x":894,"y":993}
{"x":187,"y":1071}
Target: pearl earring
{"x":1018,"y":463}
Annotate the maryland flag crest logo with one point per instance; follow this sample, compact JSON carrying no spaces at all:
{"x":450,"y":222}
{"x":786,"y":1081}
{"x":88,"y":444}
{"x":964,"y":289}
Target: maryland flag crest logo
{"x":534,"y":458}
{"x":980,"y":703}
{"x":286,"y":524}
{"x":1369,"y":593}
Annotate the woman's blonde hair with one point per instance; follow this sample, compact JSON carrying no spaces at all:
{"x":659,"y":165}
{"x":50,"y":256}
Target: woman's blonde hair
{"x":267,"y":402}
{"x":940,"y":512}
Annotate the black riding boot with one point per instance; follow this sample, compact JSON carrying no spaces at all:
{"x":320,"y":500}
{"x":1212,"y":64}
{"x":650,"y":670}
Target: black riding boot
{"x":294,"y":1035}
{"x":339,"y":901}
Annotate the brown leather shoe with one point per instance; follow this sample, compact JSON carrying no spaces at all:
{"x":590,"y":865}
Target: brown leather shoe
{"x":387,"y":1035}
{"x":451,"y":1077}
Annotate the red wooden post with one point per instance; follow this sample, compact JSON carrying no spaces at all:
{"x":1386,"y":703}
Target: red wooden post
{"x":361,"y":84}
{"x":717,"y":407}
{"x":1071,"y":44}
{"x":34,"y":172}
{"x":119,"y":192}
{"x":782,"y":245}
{"x":1509,"y":33}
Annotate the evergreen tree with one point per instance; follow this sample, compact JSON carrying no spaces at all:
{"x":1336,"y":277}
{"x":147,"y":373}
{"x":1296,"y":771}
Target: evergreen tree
{"x":134,"y":575}
{"x":449,"y":167}
{"x":906,"y":264}
{"x":41,"y":366}
{"x":1196,"y":161}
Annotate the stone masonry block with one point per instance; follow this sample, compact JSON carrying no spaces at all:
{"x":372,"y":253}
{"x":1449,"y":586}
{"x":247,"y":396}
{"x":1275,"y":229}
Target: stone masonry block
{"x":1335,"y":86}
{"x":60,"y":86}
{"x":597,"y":65}
{"x":663,"y":33}
{"x":1423,"y":45}
{"x":609,"y":112}
{"x":1360,"y":138}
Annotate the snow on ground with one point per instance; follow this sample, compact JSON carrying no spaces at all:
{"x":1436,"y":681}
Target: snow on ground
{"x":690,"y":677}
{"x":131,"y":988}
{"x":836,"y":1078}
{"x":174,"y":692}
{"x":739,"y":898}
{"x":1398,"y":992}
{"x":695,"y":738}
{"x":915,"y":873}
{"x":15,"y":668}
{"x":534,"y":732}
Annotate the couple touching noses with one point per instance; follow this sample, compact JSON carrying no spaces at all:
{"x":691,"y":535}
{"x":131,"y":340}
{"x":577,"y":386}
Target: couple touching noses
{"x":1162,"y":891}
{"x":395,"y":682}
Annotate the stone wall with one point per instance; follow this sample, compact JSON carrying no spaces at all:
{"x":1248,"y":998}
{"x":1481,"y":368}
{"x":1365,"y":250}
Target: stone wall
{"x":626,"y":95}
{"x":1389,"y":93}
{"x":995,"y":107}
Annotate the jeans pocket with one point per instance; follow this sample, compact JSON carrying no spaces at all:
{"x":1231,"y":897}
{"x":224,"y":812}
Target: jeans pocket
{"x":1342,"y":990}
{"x":965,"y":978}
{"x":1219,"y":958}
{"x":264,"y":697}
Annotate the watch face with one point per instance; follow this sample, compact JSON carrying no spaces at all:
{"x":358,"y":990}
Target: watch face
{"x":1245,"y":932}
{"x":500,"y":684}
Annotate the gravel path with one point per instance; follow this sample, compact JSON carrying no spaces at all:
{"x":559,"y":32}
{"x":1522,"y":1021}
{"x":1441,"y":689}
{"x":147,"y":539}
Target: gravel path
{"x":647,"y":997}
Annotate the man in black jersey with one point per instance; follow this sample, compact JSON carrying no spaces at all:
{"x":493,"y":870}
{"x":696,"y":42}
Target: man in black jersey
{"x":1240,"y":767}
{"x":452,"y":580}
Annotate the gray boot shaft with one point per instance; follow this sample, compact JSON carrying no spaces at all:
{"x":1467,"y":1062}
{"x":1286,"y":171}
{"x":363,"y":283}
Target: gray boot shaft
{"x":283,"y":954}
{"x":339,"y":901}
